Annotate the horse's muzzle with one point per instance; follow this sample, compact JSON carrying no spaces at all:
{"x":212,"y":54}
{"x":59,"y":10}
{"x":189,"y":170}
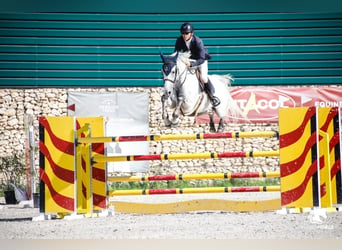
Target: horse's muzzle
{"x":164,"y":97}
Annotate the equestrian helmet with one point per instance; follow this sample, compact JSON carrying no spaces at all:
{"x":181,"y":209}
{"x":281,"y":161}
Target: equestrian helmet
{"x":186,"y":28}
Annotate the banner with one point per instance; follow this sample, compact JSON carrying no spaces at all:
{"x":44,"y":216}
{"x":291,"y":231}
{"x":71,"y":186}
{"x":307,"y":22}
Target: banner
{"x":261,"y":104}
{"x":125,"y":114}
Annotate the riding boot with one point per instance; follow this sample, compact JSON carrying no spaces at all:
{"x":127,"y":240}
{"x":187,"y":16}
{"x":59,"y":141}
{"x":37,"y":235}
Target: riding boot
{"x":209,"y":88}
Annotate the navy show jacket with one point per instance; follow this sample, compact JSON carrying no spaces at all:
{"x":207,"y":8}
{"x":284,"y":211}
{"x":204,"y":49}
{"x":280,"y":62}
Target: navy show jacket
{"x":197,"y":49}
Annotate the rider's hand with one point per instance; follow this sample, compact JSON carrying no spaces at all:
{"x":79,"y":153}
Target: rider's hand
{"x":188,"y":64}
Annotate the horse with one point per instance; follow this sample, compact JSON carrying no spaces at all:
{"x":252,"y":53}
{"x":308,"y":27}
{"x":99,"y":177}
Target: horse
{"x":184,"y":93}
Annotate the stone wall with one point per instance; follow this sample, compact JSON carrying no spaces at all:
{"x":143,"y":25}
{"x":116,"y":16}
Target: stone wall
{"x":18,"y":106}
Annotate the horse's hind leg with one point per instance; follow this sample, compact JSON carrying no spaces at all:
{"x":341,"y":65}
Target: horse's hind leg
{"x":220,"y":126}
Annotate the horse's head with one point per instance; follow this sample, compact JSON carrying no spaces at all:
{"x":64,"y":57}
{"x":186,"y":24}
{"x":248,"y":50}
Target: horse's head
{"x":169,"y":71}
{"x":174,"y":70}
{"x":169,"y":65}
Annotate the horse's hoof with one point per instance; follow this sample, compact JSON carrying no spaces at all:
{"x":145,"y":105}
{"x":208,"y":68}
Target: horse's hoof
{"x":212,"y":130}
{"x":175,"y":124}
{"x":167,"y":123}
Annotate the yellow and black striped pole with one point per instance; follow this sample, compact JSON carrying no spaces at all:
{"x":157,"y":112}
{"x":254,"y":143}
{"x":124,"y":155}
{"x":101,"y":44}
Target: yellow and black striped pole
{"x":184,"y":156}
{"x":170,"y":137}
{"x":202,"y":176}
{"x":195,"y":190}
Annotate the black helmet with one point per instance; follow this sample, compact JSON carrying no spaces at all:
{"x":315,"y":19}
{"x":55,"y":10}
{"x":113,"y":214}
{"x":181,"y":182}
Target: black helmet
{"x":186,"y":28}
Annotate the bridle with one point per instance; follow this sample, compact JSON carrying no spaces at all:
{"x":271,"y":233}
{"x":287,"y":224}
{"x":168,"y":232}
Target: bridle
{"x":167,"y":68}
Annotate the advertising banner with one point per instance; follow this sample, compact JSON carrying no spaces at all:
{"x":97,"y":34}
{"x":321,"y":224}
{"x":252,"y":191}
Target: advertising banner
{"x":261,"y":104}
{"x":125,"y":114}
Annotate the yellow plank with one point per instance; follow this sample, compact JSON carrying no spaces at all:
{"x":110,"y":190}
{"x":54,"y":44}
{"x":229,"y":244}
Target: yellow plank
{"x":196,"y":205}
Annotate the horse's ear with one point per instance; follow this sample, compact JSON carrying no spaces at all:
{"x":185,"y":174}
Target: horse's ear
{"x":173,"y":57}
{"x":162,"y":57}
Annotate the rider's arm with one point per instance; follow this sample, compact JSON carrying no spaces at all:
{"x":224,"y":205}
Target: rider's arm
{"x":200,"y":52}
{"x":179,"y":45}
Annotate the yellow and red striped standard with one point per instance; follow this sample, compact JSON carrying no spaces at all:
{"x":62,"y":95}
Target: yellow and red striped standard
{"x":96,"y":191}
{"x":298,"y":157}
{"x":57,"y":182}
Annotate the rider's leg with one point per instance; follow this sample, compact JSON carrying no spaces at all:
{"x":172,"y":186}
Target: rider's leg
{"x":208,"y":86}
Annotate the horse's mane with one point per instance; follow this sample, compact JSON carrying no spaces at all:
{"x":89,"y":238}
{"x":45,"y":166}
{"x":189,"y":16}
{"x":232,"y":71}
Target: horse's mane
{"x":182,"y":58}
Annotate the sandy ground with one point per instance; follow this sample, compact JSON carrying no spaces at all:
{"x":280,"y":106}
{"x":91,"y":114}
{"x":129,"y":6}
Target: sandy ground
{"x":16,"y":223}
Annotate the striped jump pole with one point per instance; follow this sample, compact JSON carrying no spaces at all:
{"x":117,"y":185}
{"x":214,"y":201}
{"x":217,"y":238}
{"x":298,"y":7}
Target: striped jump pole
{"x":170,"y":137}
{"x":195,"y":190}
{"x":182,"y":177}
{"x":184,"y":156}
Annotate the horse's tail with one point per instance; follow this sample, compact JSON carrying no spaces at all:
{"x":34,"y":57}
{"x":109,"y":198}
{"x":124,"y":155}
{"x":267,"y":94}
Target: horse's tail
{"x":234,"y":110}
{"x":229,"y":78}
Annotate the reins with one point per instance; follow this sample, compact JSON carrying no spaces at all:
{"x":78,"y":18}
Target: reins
{"x":180,"y":77}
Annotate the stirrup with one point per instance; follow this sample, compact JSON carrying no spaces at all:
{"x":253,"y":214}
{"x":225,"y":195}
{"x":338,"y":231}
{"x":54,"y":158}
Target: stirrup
{"x":215,"y":101}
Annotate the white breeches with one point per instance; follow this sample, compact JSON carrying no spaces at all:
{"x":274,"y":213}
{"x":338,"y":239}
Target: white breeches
{"x":203,"y":68}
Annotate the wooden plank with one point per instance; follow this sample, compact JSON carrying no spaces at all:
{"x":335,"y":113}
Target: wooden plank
{"x":180,"y":17}
{"x":86,"y":74}
{"x":78,"y":82}
{"x":287,"y":73}
{"x":196,"y":205}
{"x":237,"y":57}
{"x":218,"y":67}
{"x":123,"y":49}
{"x":275,"y":48}
{"x":167,"y":42}
{"x":47,"y":49}
{"x":169,"y":34}
{"x":82,"y":66}
{"x":139,"y":50}
{"x":239,"y":81}
{"x":170,"y":25}
{"x":79,"y":74}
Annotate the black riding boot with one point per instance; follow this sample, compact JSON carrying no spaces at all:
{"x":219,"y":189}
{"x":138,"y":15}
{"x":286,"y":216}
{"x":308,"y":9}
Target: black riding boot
{"x":209,"y":88}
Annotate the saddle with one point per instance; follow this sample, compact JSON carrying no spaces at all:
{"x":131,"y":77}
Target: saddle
{"x":208,"y":89}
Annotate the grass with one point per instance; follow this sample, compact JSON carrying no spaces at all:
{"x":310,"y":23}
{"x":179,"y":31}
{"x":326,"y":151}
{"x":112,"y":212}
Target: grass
{"x":194,"y":183}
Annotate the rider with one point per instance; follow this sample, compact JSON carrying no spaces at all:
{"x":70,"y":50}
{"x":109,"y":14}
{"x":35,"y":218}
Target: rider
{"x":189,"y":42}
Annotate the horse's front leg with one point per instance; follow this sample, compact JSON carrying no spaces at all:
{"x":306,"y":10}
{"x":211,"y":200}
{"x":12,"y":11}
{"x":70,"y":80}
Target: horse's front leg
{"x":176,"y":112}
{"x":165,"y":115}
{"x":211,"y":122}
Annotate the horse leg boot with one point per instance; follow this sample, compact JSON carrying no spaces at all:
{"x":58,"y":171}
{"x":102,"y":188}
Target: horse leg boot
{"x":211,"y":122}
{"x":220,"y":126}
{"x":176,"y":112}
{"x":165,"y":114}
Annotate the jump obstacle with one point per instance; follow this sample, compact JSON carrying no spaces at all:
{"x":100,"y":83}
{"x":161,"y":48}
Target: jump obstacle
{"x":177,"y":177}
{"x":73,"y":166}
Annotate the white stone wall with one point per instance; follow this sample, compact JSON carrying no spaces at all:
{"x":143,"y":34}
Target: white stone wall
{"x":17,"y":105}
